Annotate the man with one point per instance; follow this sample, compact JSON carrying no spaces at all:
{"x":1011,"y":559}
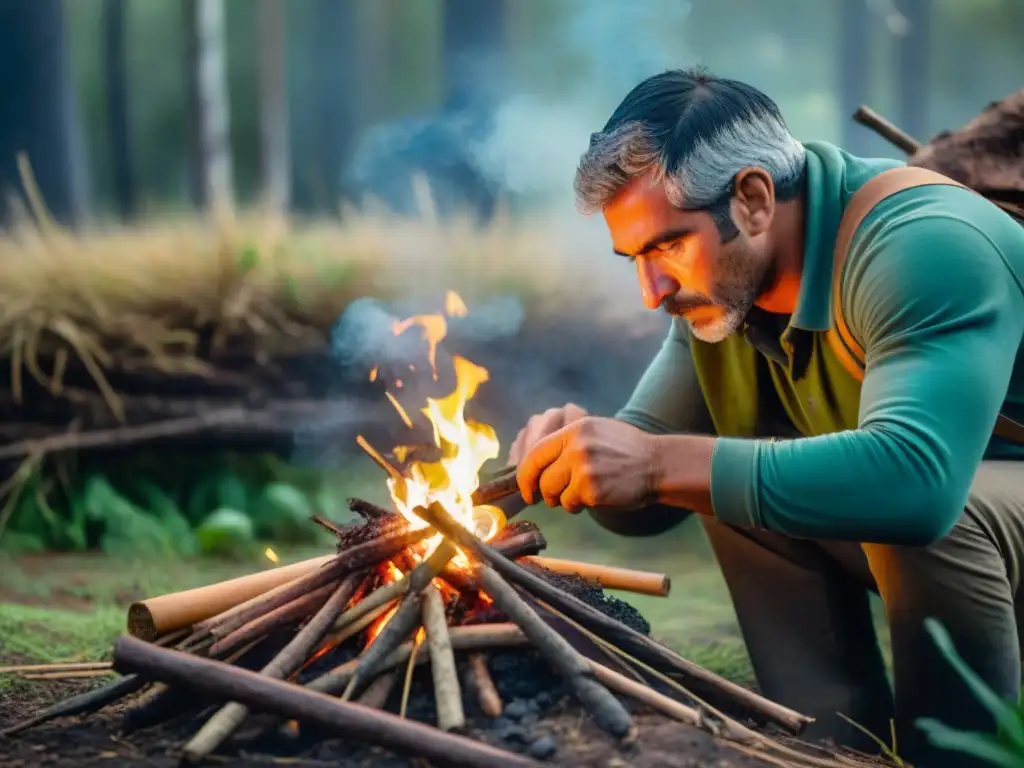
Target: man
{"x":815,"y":486}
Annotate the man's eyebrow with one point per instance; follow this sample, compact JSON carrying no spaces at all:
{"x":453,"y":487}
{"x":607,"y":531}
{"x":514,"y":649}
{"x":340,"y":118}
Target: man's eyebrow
{"x":654,"y":242}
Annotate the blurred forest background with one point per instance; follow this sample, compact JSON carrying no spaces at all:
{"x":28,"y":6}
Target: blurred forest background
{"x":184,"y":357}
{"x":120,"y":104}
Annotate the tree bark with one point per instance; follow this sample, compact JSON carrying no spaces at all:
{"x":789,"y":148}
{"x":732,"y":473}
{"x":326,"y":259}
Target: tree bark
{"x":275,"y":159}
{"x":206,"y":78}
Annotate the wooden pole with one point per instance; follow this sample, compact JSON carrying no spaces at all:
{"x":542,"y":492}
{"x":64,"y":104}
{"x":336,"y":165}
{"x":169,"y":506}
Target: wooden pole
{"x":261,"y":693}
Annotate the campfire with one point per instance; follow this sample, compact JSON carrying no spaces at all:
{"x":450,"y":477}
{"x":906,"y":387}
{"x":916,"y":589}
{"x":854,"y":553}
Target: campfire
{"x":440,"y":579}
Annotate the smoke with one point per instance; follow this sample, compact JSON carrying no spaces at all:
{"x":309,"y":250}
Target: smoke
{"x":515,"y":136}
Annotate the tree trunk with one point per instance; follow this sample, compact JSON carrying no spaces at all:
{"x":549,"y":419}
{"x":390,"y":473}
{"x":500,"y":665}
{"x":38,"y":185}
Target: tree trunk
{"x":914,"y":69}
{"x":474,"y":49}
{"x":854,"y":76}
{"x":116,"y":75}
{"x":275,"y":159}
{"x":206,"y":76}
{"x":324,"y":93}
{"x":37,"y":107}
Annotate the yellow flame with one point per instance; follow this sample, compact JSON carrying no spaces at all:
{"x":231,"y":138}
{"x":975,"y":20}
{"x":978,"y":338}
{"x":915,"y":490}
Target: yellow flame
{"x":373,"y":373}
{"x":271,"y":555}
{"x":465,"y":445}
{"x":454,"y":306}
{"x":435,"y":328}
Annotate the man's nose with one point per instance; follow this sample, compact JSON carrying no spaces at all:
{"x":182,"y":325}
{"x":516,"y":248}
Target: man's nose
{"x":655,"y":284}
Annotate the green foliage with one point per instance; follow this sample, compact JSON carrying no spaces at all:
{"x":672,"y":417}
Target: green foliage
{"x":1005,"y":750}
{"x":155,"y":506}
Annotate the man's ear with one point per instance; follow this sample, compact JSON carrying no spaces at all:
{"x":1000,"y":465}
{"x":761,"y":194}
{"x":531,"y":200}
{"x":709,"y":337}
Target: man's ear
{"x":753,"y":201}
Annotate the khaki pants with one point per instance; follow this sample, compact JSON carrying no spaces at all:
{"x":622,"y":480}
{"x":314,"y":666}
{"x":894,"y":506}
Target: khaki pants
{"x":804,"y":613}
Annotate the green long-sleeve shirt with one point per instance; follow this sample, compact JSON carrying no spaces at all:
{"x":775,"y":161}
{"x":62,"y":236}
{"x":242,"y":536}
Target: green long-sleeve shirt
{"x":933,"y":290}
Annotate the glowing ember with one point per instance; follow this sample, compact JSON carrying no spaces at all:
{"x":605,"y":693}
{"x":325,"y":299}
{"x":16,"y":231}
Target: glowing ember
{"x":373,"y":373}
{"x":400,"y":409}
{"x":271,"y":555}
{"x":454,"y":306}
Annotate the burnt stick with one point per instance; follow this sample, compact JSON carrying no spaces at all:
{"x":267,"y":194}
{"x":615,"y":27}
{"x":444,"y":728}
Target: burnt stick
{"x":379,"y":691}
{"x":297,"y":609}
{"x":358,"y":557}
{"x":480,"y":679}
{"x":368,"y":510}
{"x":703,"y":682}
{"x":285,"y":700}
{"x":608,"y":711}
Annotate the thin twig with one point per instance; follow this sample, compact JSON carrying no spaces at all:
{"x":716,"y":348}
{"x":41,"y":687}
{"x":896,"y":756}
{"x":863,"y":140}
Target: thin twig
{"x":407,"y":684}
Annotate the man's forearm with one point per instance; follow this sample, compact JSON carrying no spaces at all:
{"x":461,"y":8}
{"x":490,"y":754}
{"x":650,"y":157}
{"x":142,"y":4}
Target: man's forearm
{"x":682,"y":471}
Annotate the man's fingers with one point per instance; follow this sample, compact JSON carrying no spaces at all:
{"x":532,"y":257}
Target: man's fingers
{"x":554,"y":480}
{"x":572,"y":500}
{"x":536,"y":461}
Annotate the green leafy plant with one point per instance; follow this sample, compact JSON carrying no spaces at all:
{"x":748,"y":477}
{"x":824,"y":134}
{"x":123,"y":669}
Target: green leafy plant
{"x":171,"y":506}
{"x":1005,"y":750}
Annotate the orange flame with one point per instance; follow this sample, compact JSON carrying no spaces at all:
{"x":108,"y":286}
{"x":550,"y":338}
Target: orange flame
{"x":465,"y":444}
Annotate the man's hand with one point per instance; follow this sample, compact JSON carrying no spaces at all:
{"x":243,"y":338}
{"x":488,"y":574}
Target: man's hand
{"x":592,"y":462}
{"x":540,"y":426}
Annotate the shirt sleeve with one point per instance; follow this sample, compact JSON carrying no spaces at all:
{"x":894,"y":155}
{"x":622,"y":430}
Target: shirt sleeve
{"x":668,"y":398}
{"x":935,"y":306}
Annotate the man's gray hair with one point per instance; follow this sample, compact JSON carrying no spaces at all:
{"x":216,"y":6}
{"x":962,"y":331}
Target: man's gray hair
{"x":693,"y":133}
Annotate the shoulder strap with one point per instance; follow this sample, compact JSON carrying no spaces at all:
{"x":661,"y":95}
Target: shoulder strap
{"x":874,"y":191}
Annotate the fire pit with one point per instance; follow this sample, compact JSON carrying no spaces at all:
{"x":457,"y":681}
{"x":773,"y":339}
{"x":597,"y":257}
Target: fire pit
{"x":442,"y":582}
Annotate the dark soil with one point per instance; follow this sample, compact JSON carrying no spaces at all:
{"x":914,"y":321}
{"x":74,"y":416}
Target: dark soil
{"x":562,"y":727}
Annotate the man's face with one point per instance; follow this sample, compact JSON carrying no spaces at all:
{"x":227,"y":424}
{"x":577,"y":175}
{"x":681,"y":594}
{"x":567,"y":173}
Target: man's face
{"x":682,"y":263}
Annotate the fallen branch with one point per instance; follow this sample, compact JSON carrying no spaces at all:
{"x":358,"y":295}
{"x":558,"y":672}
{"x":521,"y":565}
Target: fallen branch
{"x":607,"y":711}
{"x":82,"y":703}
{"x":643,"y":647}
{"x":887,"y":130}
{"x":609,"y":577}
{"x":227,"y":719}
{"x":447,"y":692}
{"x":481,"y":680}
{"x":289,"y":701}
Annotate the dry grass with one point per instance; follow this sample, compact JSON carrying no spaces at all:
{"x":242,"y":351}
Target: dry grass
{"x":139,"y":296}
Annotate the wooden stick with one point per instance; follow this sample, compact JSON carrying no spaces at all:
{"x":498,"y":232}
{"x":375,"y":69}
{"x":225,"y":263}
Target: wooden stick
{"x":886,"y":129}
{"x":229,"y":717}
{"x":402,"y":624}
{"x":404,"y":621}
{"x":297,"y":609}
{"x":481,"y":680}
{"x":379,"y":691}
{"x":473,"y":637}
{"x":83,"y":703}
{"x":262,"y":693}
{"x":652,"y":698}
{"x":70,"y":674}
{"x":609,"y":577}
{"x":409,"y":668}
{"x":66,"y":666}
{"x":500,"y":486}
{"x":607,"y":711}
{"x":358,"y":557}
{"x":704,"y":682}
{"x":152,"y":617}
{"x":447,"y":692}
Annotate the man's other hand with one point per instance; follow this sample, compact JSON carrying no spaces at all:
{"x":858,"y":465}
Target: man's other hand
{"x":591,"y":462}
{"x":540,"y":426}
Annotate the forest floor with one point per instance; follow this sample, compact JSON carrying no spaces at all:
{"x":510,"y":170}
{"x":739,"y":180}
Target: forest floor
{"x":72,"y":607}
